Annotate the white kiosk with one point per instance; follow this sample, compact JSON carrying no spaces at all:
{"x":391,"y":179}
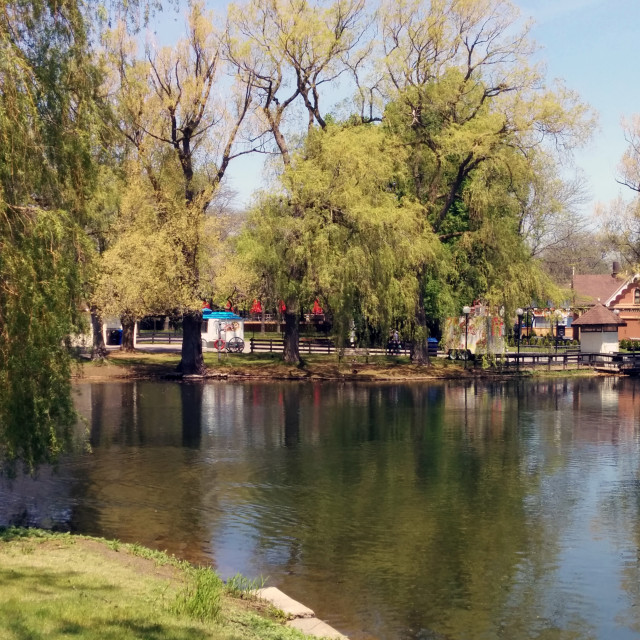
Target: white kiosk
{"x":223,"y":331}
{"x":599,"y":330}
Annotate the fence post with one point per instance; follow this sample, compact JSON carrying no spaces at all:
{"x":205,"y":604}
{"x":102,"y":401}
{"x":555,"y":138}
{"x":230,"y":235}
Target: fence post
{"x":251,"y":344}
{"x":270,"y":345}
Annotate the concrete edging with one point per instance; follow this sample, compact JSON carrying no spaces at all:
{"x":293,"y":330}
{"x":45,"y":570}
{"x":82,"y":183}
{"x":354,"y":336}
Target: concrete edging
{"x":300,"y":616}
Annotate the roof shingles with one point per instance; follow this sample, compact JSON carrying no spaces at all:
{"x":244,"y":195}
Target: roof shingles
{"x":598,"y":315}
{"x":593,"y":288}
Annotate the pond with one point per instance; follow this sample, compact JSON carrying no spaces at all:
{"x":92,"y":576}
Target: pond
{"x":413,"y":511}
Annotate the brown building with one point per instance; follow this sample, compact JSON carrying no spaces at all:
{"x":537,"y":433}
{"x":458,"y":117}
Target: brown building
{"x":617,"y":292}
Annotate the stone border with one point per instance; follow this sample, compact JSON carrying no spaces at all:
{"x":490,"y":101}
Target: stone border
{"x":299,"y":616}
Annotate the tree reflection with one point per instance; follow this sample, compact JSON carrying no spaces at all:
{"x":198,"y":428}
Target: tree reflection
{"x":411,"y":511}
{"x":191,"y":400}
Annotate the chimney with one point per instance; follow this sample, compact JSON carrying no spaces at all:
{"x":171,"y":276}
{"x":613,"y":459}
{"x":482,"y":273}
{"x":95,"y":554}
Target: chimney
{"x":616,"y":270}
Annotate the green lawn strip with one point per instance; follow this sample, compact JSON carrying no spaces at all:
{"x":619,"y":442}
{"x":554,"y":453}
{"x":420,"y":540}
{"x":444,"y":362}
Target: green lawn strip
{"x":62,"y":586}
{"x":261,"y":365}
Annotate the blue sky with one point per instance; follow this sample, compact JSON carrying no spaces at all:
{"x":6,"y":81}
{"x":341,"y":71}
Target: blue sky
{"x":593,"y":45}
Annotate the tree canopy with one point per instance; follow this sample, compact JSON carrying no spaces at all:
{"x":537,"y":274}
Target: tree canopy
{"x":47,"y":133}
{"x":434,"y":184}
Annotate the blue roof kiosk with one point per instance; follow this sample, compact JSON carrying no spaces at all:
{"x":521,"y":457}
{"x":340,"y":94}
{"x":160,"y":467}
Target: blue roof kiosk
{"x":220,"y":326}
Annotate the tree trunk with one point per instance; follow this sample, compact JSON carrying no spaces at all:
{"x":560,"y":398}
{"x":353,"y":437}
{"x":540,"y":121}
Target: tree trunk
{"x":192,"y":362}
{"x":291,"y":352}
{"x":420,"y":346}
{"x":98,"y":347}
{"x":128,"y":330}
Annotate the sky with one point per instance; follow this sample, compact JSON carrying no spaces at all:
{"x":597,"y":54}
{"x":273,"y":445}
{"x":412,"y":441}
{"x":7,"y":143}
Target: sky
{"x":592,"y":45}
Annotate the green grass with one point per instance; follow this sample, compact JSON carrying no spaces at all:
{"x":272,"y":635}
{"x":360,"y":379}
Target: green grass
{"x":60,"y":586}
{"x":242,"y":587}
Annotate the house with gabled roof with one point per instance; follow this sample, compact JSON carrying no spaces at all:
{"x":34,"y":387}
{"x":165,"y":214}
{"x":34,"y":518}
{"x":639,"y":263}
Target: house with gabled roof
{"x":618,"y":293}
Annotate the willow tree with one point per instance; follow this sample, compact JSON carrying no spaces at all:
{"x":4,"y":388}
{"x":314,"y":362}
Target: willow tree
{"x":463,"y":98}
{"x":47,"y":118}
{"x":357,"y":242}
{"x":178,"y":106}
{"x":292,"y":51}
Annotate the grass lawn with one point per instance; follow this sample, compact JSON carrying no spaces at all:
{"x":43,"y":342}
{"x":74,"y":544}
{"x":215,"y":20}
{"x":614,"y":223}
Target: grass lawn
{"x":263,"y":365}
{"x":63,"y":586}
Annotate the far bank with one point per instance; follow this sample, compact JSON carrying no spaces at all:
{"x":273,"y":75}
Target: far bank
{"x":162,"y":363}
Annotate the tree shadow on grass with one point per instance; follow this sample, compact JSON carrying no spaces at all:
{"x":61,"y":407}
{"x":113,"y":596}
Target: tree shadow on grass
{"x":40,"y":604}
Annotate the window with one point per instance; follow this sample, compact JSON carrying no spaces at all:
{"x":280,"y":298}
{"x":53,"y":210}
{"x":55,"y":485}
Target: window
{"x":636,"y":296}
{"x":204,"y":326}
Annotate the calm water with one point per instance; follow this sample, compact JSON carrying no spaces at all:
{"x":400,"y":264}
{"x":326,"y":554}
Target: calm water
{"x":396,"y":512}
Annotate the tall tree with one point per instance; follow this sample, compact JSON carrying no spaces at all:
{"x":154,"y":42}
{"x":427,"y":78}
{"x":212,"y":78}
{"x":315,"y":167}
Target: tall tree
{"x":291,"y":51}
{"x":472,"y":111}
{"x":177,"y":109}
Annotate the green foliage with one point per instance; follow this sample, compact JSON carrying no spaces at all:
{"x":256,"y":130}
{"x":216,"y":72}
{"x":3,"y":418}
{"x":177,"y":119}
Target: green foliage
{"x":630,"y":345}
{"x":143,"y":272}
{"x":241,"y":586}
{"x":201,"y":599}
{"x":339,"y":230}
{"x":48,"y":124}
{"x":40,"y":286}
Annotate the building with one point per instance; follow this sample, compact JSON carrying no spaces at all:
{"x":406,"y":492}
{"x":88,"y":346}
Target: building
{"x":599,"y":329}
{"x":614,"y":291}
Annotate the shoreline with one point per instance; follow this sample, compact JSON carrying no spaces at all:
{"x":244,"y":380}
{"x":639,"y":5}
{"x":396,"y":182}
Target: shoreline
{"x":109,"y":585}
{"x":154,"y":365}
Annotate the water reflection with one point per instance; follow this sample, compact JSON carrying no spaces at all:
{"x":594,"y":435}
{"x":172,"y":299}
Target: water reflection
{"x":396,"y":511}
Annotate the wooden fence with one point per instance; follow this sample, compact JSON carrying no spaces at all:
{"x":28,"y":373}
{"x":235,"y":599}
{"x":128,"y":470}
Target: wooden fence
{"x":565,"y":358}
{"x":615,"y":362}
{"x":326,"y":346}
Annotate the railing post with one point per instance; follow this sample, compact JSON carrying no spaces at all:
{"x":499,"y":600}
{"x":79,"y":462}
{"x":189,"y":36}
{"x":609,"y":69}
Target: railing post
{"x":251,"y":344}
{"x":270,"y":345}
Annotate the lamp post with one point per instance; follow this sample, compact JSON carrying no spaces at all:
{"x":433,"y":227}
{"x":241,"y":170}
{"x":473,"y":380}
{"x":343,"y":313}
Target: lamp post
{"x":519,"y":313}
{"x":466,"y":310}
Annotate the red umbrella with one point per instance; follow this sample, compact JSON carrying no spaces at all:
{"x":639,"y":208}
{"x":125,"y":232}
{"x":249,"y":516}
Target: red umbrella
{"x":282,"y":306}
{"x":316,"y":307}
{"x":256,"y":307}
